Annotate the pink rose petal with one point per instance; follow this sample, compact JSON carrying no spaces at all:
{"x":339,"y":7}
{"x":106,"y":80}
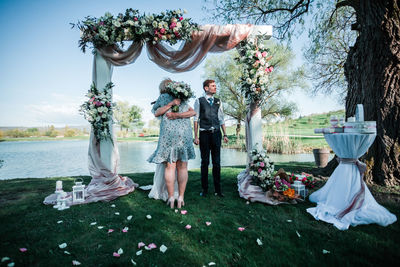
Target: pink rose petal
{"x":241,"y":229}
{"x":208,"y":223}
{"x":110,"y":230}
{"x":188,"y":226}
{"x":125,"y":230}
{"x":183,"y":212}
{"x":23,"y":249}
{"x":152,"y":245}
{"x":115,"y":254}
{"x":141,"y":244}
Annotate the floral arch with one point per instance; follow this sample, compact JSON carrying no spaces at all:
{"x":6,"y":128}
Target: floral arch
{"x":157,"y":32}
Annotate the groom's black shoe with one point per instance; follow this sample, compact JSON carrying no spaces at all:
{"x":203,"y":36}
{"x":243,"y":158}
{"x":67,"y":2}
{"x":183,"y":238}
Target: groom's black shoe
{"x":219,"y":194}
{"x":203,"y":193}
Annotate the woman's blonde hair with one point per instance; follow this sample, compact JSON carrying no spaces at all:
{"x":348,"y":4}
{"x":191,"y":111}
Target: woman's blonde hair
{"x":163,"y":85}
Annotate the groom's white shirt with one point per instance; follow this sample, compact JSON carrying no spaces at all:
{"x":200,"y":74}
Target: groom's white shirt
{"x":197,"y":110}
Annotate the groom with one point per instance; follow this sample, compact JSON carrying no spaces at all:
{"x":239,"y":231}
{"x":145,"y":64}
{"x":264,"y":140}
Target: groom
{"x":210,"y":116}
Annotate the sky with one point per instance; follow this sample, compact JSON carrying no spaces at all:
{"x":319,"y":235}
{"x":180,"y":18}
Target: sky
{"x":44,"y":75}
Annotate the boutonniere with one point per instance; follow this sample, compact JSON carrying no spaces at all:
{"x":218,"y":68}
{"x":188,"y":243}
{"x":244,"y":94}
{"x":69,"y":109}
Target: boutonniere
{"x":217,"y":102}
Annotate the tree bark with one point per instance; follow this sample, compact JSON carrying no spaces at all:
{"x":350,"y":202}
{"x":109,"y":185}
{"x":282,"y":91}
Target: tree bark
{"x":372,"y":71}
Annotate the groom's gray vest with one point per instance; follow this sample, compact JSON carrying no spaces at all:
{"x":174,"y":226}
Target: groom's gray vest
{"x":209,"y":114}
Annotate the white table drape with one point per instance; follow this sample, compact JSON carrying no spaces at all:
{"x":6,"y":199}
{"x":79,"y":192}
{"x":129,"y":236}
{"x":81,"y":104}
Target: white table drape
{"x":345,"y":199}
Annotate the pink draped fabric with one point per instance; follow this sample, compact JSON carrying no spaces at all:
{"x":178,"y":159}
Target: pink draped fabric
{"x":210,"y":38}
{"x":106,"y":184}
{"x":118,"y":57}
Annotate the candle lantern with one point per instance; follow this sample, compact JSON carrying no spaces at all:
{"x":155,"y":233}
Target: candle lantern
{"x":300,"y":189}
{"x":78,"y":191}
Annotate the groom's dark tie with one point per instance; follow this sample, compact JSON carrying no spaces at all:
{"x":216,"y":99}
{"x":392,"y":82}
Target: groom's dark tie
{"x":211,"y":100}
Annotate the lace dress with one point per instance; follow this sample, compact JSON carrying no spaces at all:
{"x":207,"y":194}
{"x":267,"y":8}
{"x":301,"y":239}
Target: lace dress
{"x":176,"y":139}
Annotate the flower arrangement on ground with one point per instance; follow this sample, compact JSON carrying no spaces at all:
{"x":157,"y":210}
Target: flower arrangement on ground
{"x":307,"y":179}
{"x":169,"y":26}
{"x":97,"y":110}
{"x":254,"y":58}
{"x":179,"y":90}
{"x":261,"y":169}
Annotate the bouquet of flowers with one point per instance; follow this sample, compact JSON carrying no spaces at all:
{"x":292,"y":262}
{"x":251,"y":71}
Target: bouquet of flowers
{"x":307,"y":179}
{"x":261,"y":169}
{"x":179,"y":90}
{"x":98,"y":111}
{"x":256,"y":68}
{"x":169,"y":26}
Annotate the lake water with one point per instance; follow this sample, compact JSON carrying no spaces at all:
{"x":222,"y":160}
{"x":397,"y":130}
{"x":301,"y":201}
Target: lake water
{"x":39,"y":159}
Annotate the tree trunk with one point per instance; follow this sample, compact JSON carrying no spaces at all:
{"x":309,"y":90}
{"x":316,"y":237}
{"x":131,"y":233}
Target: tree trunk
{"x":372,"y":71}
{"x":238,"y":125}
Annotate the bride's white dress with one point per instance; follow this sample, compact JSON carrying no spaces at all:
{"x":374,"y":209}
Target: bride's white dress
{"x":159,"y":189}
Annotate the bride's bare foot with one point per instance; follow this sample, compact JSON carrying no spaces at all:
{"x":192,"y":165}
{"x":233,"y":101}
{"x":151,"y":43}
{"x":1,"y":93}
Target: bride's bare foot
{"x":171,"y":202}
{"x":181,"y":203}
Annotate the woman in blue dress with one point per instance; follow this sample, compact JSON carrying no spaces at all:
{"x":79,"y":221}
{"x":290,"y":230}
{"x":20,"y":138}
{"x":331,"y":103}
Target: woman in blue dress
{"x":175,"y":143}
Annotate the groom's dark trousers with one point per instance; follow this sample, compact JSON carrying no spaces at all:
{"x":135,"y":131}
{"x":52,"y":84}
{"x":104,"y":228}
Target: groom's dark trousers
{"x":210,"y":141}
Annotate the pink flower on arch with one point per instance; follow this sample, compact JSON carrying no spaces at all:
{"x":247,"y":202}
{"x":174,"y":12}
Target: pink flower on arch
{"x":162,"y":30}
{"x":264,"y":54}
{"x":262,"y":164}
{"x":173,"y":25}
{"x":259,"y":170}
{"x":135,"y":18}
{"x":180,"y":18}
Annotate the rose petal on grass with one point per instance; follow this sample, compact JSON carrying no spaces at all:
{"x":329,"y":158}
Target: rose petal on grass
{"x":147,"y":248}
{"x":148,"y":217}
{"x":93,"y":223}
{"x":325,"y":251}
{"x":183,"y":212}
{"x":129,"y":217}
{"x":120,"y":251}
{"x":163,"y":248}
{"x":241,"y":229}
{"x":59,"y":221}
{"x":23,"y":249}
{"x":298,"y":234}
{"x":74,"y":262}
{"x":110,"y":230}
{"x":211,"y":263}
{"x":176,"y":211}
{"x":115,"y":254}
{"x":289,"y":220}
{"x":188,"y":226}
{"x":259,"y":242}
{"x":141,"y":244}
{"x":67,"y":252}
{"x":100,"y":227}
{"x":117,"y":213}
{"x":139,"y":252}
{"x":5,"y":259}
{"x":133,"y":262}
{"x":11,"y":264}
{"x":112,"y":206}
{"x":63,"y":245}
{"x":247,"y":202}
{"x":125,"y":230}
{"x":152,"y":246}
{"x":208,"y":223}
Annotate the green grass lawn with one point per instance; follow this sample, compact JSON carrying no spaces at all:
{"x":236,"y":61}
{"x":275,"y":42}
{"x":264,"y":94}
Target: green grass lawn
{"x":26,"y":222}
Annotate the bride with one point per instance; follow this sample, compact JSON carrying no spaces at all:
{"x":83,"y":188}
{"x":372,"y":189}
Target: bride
{"x":174,"y":149}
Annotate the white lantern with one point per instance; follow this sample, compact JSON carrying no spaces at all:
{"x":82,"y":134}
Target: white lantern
{"x":78,"y":191}
{"x":300,"y":189}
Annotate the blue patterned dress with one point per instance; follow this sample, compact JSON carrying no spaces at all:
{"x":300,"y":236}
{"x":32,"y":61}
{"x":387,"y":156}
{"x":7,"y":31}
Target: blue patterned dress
{"x":176,"y":139}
